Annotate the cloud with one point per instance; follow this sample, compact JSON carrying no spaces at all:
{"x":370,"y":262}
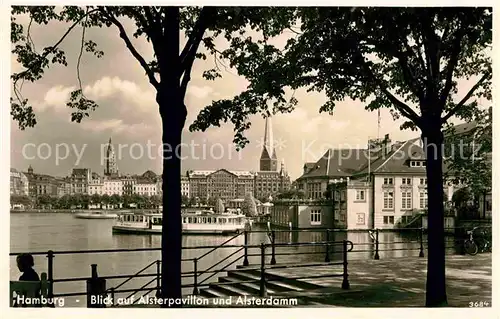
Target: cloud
{"x":99,"y":126}
{"x":199,"y":92}
{"x":57,"y":97}
{"x":109,"y":87}
{"x":338,"y":125}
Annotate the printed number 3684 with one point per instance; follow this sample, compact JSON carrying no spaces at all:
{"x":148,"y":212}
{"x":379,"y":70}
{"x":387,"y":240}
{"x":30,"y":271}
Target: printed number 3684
{"x":479,"y":304}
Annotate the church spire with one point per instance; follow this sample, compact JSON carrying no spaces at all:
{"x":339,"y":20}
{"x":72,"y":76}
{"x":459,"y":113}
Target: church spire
{"x":111,"y":167}
{"x":268,"y":158}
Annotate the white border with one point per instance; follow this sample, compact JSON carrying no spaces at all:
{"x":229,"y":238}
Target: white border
{"x":218,"y":313}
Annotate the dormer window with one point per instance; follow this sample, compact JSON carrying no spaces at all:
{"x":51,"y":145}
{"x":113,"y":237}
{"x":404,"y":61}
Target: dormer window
{"x":417,"y":163}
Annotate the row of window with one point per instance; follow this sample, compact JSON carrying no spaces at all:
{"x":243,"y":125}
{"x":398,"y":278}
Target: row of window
{"x":406,"y":200}
{"x":417,"y":163}
{"x":404,"y":181}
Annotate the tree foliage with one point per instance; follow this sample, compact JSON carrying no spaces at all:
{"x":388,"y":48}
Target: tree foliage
{"x":219,"y":206}
{"x":469,"y":154}
{"x":408,"y":60}
{"x":249,"y":207}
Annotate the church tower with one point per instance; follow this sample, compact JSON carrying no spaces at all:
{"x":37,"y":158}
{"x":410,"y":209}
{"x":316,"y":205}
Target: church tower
{"x":268,"y":158}
{"x":110,"y":168}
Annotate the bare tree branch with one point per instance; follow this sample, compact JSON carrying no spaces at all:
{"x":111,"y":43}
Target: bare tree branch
{"x":185,"y":81}
{"x":50,"y":49}
{"x":400,"y":106}
{"x":457,"y":107}
{"x":80,"y":56}
{"x":450,"y":67}
{"x":191,"y":47}
{"x":130,"y":46}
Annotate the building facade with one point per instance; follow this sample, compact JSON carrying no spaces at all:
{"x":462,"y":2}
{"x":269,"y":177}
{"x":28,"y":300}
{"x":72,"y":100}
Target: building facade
{"x":145,"y":189}
{"x":185,"y":186}
{"x":384,"y":186}
{"x":63,"y":186}
{"x":112,"y":187}
{"x":41,"y":184}
{"x":220,"y":183}
{"x":128,"y":184}
{"x":302,"y":214}
{"x":19,"y":183}
{"x":80,"y":178}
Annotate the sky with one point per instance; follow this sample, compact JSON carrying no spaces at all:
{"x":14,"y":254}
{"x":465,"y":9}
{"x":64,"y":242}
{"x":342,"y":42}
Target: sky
{"x":128,"y":114}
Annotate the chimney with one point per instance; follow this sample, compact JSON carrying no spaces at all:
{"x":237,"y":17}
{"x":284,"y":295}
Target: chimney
{"x":387,"y":144}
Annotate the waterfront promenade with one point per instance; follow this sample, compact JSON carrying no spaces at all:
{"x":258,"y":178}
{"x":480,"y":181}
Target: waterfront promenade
{"x":394,"y":282}
{"x":399,"y":282}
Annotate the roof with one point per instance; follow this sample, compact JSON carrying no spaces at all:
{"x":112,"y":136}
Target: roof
{"x":338,"y":163}
{"x":397,"y":160}
{"x":205,"y":173}
{"x":461,"y":128}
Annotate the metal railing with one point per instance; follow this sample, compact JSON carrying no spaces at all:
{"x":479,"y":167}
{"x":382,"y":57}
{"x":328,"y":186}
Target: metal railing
{"x":242,"y":252}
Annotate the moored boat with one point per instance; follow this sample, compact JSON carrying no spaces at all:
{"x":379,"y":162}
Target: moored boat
{"x":95,"y":215}
{"x":202,"y":222}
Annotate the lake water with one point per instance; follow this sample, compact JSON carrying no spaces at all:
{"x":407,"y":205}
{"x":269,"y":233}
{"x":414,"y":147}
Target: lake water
{"x":35,"y":232}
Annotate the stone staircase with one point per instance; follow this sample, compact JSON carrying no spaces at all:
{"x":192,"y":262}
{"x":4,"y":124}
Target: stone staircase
{"x":245,"y":281}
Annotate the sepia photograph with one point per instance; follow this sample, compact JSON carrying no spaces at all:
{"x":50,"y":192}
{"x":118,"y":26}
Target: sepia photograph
{"x":250,"y":156}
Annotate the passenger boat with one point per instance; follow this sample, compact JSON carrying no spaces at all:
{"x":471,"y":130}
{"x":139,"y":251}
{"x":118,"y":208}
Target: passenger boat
{"x":95,"y":215}
{"x":203,"y":222}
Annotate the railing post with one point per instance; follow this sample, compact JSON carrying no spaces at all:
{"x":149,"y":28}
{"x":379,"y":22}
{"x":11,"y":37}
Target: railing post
{"x":195,"y":288}
{"x":327,"y":253}
{"x":376,"y":256}
{"x":158,"y":278}
{"x":50,"y":276}
{"x":273,"y":256}
{"x":245,"y":259}
{"x":421,"y":254}
{"x":96,"y":290}
{"x":263,"y":289}
{"x":345,"y":281}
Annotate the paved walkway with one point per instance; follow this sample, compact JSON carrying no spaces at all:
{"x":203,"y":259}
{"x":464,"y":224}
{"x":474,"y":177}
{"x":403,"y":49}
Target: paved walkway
{"x":397,"y":282}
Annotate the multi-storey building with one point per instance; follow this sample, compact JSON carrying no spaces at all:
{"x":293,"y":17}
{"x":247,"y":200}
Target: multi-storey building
{"x":19,"y":184}
{"x":270,"y":183}
{"x":145,"y":189}
{"x":220,"y":183}
{"x":381,"y":187}
{"x":96,"y":185}
{"x":41,"y":184}
{"x":63,"y":186}
{"x":128,"y":184}
{"x":80,"y":178}
{"x":185,"y":186}
{"x":112,"y":187}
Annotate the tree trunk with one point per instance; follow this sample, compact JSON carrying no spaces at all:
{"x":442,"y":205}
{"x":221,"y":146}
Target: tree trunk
{"x":171,"y":243}
{"x":436,"y":278}
{"x":173,"y":115}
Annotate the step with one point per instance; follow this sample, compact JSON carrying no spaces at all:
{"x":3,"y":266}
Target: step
{"x":211,"y":293}
{"x":277,"y":286}
{"x":229,"y":289}
{"x":277,"y":279}
{"x":253,"y":288}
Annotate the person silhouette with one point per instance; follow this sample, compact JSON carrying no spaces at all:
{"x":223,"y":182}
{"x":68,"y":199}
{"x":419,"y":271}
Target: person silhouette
{"x":25,"y":264}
